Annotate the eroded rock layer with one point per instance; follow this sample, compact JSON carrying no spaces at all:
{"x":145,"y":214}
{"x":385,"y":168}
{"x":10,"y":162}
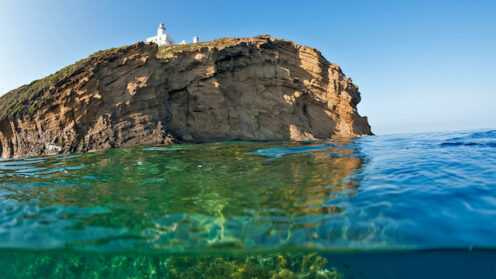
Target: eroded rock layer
{"x":229,"y":89}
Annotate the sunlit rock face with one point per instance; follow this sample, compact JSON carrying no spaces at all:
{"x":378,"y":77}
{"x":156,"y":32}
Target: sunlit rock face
{"x":257,"y":88}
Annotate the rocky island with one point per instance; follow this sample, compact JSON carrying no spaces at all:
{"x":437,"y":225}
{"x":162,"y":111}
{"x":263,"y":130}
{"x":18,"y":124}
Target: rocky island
{"x":254,"y":89}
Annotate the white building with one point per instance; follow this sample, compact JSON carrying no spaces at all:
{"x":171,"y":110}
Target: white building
{"x":162,"y":38}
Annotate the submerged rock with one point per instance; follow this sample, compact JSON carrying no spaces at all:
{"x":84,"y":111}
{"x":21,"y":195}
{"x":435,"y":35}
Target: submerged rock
{"x":257,"y":88}
{"x":80,"y":265}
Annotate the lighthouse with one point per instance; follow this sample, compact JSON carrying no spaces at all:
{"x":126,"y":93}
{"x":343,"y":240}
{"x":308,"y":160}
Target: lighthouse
{"x":162,"y":38}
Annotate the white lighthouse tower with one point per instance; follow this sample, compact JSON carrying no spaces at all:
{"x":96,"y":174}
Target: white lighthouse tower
{"x":161,"y":29}
{"x":162,"y":38}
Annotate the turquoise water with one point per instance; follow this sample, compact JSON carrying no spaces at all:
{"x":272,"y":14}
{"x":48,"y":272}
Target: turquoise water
{"x":348,"y":199}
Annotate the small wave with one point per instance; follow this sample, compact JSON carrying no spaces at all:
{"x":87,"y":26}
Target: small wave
{"x":491,"y":134}
{"x":486,"y":144}
{"x":476,"y":139}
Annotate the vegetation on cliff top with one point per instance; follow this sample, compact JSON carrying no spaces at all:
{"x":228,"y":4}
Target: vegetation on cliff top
{"x":26,"y":98}
{"x":218,"y":43}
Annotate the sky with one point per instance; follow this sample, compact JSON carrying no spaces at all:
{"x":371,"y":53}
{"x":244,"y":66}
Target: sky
{"x":421,"y":65}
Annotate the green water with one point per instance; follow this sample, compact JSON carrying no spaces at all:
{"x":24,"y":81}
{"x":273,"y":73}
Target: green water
{"x":189,"y":211}
{"x":176,"y":199}
{"x":399,"y":206}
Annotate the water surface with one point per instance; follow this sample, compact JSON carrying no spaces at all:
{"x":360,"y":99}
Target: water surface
{"x":376,"y":194}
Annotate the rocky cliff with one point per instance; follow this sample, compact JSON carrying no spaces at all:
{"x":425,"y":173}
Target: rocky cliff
{"x":229,"y":89}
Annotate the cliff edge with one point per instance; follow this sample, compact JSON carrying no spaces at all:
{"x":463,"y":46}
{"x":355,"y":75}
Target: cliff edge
{"x":257,"y":88}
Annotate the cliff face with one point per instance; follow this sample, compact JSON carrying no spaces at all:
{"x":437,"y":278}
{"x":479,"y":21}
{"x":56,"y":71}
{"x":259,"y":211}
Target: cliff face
{"x":229,"y":89}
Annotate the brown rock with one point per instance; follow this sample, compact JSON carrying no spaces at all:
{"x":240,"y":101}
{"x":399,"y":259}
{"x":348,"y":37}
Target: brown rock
{"x":229,"y":89}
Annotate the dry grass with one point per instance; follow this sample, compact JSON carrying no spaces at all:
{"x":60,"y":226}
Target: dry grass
{"x":219,"y":44}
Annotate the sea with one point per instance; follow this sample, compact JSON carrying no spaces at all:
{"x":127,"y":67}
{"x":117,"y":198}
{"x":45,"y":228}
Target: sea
{"x":390,"y":206}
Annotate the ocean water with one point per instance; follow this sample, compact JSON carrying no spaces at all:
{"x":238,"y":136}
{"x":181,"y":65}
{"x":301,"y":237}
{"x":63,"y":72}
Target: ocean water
{"x":395,"y":206}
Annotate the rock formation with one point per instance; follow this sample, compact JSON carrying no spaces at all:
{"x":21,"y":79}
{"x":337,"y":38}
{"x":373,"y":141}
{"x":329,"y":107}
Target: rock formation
{"x":257,"y":88}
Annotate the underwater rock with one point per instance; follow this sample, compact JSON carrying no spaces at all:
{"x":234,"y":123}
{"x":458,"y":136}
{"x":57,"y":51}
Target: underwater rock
{"x":75,"y":265}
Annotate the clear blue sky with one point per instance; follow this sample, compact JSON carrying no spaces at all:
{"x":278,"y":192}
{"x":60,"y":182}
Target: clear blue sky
{"x":422,"y":65}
